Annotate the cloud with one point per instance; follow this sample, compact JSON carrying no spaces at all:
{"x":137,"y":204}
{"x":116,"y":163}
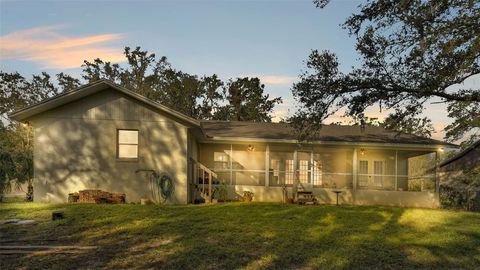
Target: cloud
{"x":46,"y":46}
{"x":278,"y":80}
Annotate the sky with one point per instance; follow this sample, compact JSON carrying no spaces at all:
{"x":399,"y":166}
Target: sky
{"x":267,"y":39}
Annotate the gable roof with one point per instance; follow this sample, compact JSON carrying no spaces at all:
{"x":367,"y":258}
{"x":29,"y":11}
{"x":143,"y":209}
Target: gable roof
{"x":235,"y":130}
{"x":460,"y":154}
{"x":88,"y":89}
{"x":328,"y":133}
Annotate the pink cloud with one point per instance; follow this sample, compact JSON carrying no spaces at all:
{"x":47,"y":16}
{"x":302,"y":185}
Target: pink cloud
{"x":47,"y":47}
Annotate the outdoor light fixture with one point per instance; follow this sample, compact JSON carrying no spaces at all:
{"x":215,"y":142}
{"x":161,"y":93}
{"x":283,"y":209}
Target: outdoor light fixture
{"x":440,"y":149}
{"x":25,"y":124}
{"x":362,"y":151}
{"x":250,"y":148}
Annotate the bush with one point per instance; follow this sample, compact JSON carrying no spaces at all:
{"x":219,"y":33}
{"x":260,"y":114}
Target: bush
{"x":462,"y":191}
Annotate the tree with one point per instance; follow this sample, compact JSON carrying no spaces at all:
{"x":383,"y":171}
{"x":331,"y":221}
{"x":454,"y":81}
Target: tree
{"x":16,"y":151}
{"x":157,"y":80}
{"x":246,"y":101}
{"x":212,"y":97}
{"x":16,"y":158}
{"x":419,"y":126}
{"x":17,"y":92}
{"x":67,"y":82}
{"x":411,"y":51}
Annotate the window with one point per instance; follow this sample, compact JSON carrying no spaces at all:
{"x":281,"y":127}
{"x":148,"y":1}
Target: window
{"x":127,"y":144}
{"x":275,"y":172}
{"x":289,"y":172}
{"x":275,"y":167}
{"x":363,"y":173}
{"x":317,"y":173}
{"x":303,"y":171}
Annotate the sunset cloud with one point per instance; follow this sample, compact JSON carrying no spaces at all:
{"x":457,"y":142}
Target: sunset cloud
{"x":46,"y":46}
{"x":278,"y":80}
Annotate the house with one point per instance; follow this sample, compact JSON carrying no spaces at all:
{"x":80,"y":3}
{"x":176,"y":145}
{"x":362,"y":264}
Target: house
{"x":102,"y":136}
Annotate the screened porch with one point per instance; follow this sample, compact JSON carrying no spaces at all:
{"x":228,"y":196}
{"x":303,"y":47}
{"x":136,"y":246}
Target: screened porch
{"x":321,"y":166}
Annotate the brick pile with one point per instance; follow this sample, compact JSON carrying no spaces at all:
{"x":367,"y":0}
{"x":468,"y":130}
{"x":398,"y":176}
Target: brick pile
{"x":99,"y":196}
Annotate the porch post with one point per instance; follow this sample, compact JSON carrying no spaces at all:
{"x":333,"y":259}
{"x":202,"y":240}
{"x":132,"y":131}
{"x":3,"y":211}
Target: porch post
{"x":231,"y":164}
{"x":194,"y":180}
{"x":210,"y":187}
{"x":354,"y":171}
{"x":437,"y":173}
{"x":437,"y":179}
{"x":295,"y":178}
{"x":396,"y":170}
{"x":311,"y":168}
{"x":267,"y":166}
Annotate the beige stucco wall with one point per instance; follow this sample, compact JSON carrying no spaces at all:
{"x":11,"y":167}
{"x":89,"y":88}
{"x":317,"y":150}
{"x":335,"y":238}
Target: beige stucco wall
{"x":75,"y":148}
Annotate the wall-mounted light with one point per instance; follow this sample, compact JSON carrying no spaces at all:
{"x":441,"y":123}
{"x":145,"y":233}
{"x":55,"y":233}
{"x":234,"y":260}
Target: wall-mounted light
{"x":362,"y":151}
{"x":250,"y":148}
{"x":25,"y":124}
{"x":441,"y":149}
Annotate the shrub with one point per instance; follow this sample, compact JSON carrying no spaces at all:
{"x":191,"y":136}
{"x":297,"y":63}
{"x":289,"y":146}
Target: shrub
{"x":462,"y":191}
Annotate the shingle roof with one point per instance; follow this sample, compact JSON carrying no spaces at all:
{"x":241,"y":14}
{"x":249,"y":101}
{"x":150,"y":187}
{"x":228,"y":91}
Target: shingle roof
{"x":328,"y":133}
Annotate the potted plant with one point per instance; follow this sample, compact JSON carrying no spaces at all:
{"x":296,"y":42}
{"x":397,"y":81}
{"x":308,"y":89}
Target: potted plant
{"x":247,"y":196}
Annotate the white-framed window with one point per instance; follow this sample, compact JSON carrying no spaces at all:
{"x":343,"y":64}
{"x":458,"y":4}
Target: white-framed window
{"x":275,"y":167}
{"x":378,"y":173}
{"x":127,"y":144}
{"x":363,"y":173}
{"x":289,"y":171}
{"x":317,"y":173}
{"x":303,"y":171}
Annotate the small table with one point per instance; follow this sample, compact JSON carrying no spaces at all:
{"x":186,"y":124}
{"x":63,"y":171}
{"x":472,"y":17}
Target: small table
{"x":338,"y":192}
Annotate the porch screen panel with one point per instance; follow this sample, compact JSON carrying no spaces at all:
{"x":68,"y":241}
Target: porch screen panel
{"x":418,"y":170}
{"x":217,"y":157}
{"x":332,"y":167}
{"x":378,"y":173}
{"x":248,"y":164}
{"x":376,"y":169}
{"x":281,"y":165}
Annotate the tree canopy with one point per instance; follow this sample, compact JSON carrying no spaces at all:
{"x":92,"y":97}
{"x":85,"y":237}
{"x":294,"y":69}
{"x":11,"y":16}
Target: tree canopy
{"x":205,"y":97}
{"x":411,"y":52}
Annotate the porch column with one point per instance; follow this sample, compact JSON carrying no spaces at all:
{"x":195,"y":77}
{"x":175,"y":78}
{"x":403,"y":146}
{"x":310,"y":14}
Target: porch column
{"x":231,"y":164}
{"x":295,"y":178}
{"x":437,"y":172}
{"x":354,"y":171}
{"x":267,"y":166}
{"x":396,"y":170}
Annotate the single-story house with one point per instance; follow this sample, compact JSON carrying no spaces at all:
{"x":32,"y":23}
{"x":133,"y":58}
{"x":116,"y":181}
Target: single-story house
{"x":101,"y":135}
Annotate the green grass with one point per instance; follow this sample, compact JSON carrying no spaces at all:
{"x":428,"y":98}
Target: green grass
{"x":246,"y":236}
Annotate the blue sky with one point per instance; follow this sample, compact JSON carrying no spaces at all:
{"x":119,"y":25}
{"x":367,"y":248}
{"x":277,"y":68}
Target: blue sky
{"x":268,"y":39}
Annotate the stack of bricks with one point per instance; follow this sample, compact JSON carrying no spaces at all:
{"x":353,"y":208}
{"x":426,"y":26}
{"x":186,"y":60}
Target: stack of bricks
{"x":117,"y":197}
{"x":99,"y":196}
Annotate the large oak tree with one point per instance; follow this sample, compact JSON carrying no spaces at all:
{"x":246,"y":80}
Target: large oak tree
{"x":411,"y":52}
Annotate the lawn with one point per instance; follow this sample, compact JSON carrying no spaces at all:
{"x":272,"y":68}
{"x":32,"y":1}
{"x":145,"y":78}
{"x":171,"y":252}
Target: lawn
{"x":244,"y":236}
